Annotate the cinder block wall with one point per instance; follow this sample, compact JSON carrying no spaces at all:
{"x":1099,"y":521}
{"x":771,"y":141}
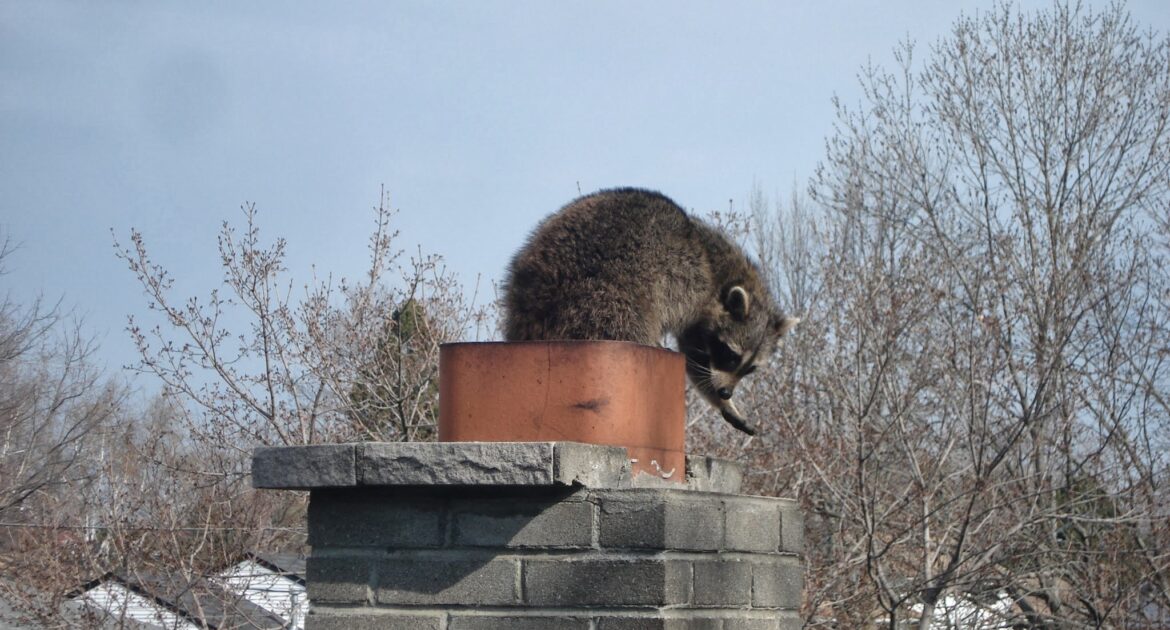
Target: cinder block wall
{"x":543,"y":552}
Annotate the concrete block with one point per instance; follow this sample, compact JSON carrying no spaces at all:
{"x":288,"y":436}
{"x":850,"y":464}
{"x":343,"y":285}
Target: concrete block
{"x":694,"y":623}
{"x":475,"y":464}
{"x":791,"y":527}
{"x":710,"y":474}
{"x":685,"y":622}
{"x":631,"y":623}
{"x":751,"y":623}
{"x":347,"y":620}
{"x":682,"y":619}
{"x":596,"y":582}
{"x":660,"y":519}
{"x":338,"y":580}
{"x":455,"y":463}
{"x":777,"y":583}
{"x":347,"y":520}
{"x":591,"y":465}
{"x":751,"y":524}
{"x":523,"y":523}
{"x":303,"y":467}
{"x":789,"y":620}
{"x":453,"y":580}
{"x":530,"y":622}
{"x":724,"y":583}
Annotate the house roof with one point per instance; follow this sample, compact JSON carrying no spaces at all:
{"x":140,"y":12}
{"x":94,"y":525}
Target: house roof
{"x":290,"y":565}
{"x":196,"y":599}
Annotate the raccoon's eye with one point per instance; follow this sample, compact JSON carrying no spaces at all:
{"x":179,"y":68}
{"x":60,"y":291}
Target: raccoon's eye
{"x":724,"y":358}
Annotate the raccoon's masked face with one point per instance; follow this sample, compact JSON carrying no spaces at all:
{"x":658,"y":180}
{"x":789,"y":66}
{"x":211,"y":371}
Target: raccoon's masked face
{"x":728,"y":347}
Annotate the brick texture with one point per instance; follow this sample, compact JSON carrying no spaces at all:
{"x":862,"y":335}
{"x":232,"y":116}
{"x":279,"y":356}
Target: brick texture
{"x":325,"y":620}
{"x":791,"y":527}
{"x":583,"y":583}
{"x":661,"y":520}
{"x":479,"y":622}
{"x":448,"y":581}
{"x":346,"y":519}
{"x":338,"y":580}
{"x":565,"y":525}
{"x":751,"y":524}
{"x":777,"y":583}
{"x":527,"y":555}
{"x":723,"y":583}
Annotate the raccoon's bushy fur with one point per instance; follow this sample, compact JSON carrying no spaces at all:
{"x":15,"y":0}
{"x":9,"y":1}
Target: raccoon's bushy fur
{"x":631,"y":265}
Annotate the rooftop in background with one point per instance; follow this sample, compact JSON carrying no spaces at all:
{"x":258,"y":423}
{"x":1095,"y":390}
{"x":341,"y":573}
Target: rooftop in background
{"x":263,"y":590}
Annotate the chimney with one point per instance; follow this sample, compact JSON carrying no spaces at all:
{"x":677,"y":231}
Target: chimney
{"x":559,"y":496}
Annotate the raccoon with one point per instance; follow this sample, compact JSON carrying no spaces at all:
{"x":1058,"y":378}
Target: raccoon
{"x":630,"y":265}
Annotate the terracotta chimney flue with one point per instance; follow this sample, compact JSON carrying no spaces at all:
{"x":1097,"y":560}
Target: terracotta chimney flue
{"x":612,"y":393}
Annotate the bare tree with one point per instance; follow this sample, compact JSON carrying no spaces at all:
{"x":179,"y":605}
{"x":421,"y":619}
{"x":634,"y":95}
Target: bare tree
{"x":147,"y":510}
{"x":54,"y":405}
{"x":290,"y":377}
{"x":973,"y":412}
{"x":258,"y":362}
{"x":51,"y":399}
{"x":159,"y":493}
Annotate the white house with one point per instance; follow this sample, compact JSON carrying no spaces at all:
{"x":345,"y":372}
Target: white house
{"x":275,"y":582}
{"x":171,"y":602}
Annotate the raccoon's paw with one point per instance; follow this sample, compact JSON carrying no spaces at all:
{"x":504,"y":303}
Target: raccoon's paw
{"x":736,"y":420}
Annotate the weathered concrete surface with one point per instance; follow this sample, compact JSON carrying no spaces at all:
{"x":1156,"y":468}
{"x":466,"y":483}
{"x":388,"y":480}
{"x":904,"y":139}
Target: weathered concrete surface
{"x":473,"y":464}
{"x":456,"y":463}
{"x":304,"y":467}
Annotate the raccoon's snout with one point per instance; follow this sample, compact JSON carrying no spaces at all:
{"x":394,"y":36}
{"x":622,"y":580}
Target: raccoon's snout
{"x":717,"y":386}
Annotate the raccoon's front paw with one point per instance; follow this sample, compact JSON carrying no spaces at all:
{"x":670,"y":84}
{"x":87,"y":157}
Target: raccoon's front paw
{"x":737,"y":421}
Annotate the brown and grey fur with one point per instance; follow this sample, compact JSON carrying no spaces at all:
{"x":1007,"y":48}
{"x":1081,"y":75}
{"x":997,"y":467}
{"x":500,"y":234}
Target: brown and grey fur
{"x":631,"y":265}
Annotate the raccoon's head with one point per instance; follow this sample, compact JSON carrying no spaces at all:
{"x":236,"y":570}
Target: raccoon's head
{"x":731,"y":341}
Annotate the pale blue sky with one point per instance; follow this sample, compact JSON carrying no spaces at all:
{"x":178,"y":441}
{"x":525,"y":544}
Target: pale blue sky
{"x":478,"y":117}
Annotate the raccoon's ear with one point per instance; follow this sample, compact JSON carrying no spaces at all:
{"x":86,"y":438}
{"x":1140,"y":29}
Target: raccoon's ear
{"x":781,"y":325}
{"x":737,"y":303}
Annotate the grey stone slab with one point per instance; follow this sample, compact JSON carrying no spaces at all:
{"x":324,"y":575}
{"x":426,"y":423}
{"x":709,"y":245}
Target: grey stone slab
{"x":473,"y":464}
{"x":303,"y":467}
{"x":710,"y":474}
{"x":455,"y":463}
{"x":602,"y":582}
{"x":591,"y":465}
